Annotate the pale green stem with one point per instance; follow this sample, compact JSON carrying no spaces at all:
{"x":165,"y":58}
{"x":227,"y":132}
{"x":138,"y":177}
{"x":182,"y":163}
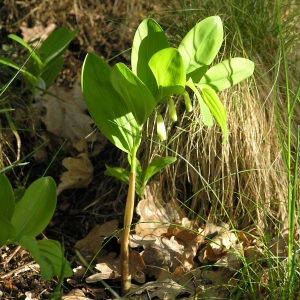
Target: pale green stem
{"x":129,"y":208}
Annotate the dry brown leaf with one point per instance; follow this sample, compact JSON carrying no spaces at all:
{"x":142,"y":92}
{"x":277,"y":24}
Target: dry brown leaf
{"x":156,"y":214}
{"x":109,"y":268}
{"x":137,"y":266}
{"x":38,"y":31}
{"x":93,"y":241}
{"x":75,"y":294}
{"x":222,"y":242}
{"x":162,"y":253}
{"x":232,"y":260}
{"x":79,"y":173}
{"x":164,"y":290}
{"x":66,"y":117}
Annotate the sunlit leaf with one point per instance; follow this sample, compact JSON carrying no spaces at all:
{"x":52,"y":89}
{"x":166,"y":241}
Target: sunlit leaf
{"x":227,"y":73}
{"x":138,"y":98}
{"x":156,"y":165}
{"x":200,"y":46}
{"x":148,"y":39}
{"x":168,"y":69}
{"x":107,"y":108}
{"x":216,"y":108}
{"x":118,"y":173}
{"x":204,"y":110}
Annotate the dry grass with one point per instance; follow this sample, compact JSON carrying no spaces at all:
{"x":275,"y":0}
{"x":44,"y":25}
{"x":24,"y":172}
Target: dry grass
{"x":245,"y":179}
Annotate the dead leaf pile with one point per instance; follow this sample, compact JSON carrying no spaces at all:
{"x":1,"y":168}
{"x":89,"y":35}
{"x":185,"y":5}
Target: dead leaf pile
{"x":170,"y":254}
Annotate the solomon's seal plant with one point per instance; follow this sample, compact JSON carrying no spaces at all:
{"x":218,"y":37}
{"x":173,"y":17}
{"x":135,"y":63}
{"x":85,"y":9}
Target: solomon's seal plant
{"x":121,"y":99}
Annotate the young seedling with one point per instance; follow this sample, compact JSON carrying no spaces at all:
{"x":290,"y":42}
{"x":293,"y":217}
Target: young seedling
{"x":21,"y":221}
{"x":121,"y":100}
{"x":44,"y":63}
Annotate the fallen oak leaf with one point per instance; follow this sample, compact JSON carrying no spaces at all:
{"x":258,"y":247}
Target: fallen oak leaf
{"x":79,"y":173}
{"x":91,"y":244}
{"x":156,"y":215}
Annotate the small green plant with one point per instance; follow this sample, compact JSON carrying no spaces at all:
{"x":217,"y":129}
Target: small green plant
{"x":121,"y":100}
{"x":22,"y":220}
{"x":45,"y":63}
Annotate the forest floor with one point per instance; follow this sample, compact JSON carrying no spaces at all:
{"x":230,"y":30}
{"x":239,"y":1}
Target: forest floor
{"x":186,"y":260}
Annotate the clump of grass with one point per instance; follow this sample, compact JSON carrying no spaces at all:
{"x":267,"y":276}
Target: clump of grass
{"x":245,"y":181}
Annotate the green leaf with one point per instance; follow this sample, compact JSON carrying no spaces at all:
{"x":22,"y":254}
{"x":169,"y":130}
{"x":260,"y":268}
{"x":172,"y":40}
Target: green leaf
{"x":123,"y":175}
{"x":201,"y":45}
{"x":107,"y":108}
{"x":35,"y":209}
{"x":168,"y":69}
{"x":134,"y":92}
{"x":227,"y":73}
{"x":148,"y":39}
{"x":52,"y":253}
{"x":49,"y":255}
{"x":155,"y":166}
{"x":7,"y":199}
{"x":204,"y":110}
{"x":217,"y":109}
{"x":30,"y":77}
{"x":55,"y":44}
{"x":28,"y":47}
{"x":52,"y":70}
{"x":118,"y":173}
{"x":7,"y":231}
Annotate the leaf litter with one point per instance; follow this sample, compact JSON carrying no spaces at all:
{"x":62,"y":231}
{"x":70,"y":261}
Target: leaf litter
{"x":171,"y":256}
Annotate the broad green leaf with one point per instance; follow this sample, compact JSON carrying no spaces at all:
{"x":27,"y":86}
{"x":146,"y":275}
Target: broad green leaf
{"x":201,"y":45}
{"x":49,"y":255}
{"x":204,"y":110}
{"x":35,"y":209}
{"x":55,"y":44}
{"x":227,"y":73}
{"x":7,"y":231}
{"x":134,"y":92}
{"x":217,"y":109}
{"x":52,"y":70}
{"x":148,"y":39}
{"x":7,"y":199}
{"x":107,"y":108}
{"x":52,"y":253}
{"x":28,"y":47}
{"x":155,"y":166}
{"x":168,"y":69}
